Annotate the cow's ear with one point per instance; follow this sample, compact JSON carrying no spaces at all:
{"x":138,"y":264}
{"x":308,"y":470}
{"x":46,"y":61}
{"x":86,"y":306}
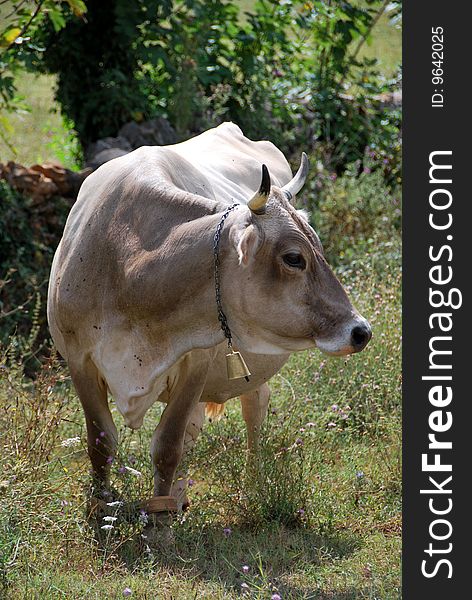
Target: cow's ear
{"x":248,"y":244}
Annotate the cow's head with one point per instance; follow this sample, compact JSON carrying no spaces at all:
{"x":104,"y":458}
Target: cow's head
{"x":281,"y":292}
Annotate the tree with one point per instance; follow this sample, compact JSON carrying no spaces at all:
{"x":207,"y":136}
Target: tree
{"x":98,"y":61}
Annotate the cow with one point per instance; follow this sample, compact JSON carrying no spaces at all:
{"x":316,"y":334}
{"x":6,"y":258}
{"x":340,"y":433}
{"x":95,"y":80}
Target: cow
{"x":132,"y":305}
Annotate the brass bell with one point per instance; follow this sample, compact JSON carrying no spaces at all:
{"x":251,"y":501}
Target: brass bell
{"x":236,"y":366}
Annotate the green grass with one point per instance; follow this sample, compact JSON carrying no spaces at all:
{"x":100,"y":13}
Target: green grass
{"x":385,"y":46}
{"x":38,"y":134}
{"x":331,"y":447}
{"x":321,"y":519}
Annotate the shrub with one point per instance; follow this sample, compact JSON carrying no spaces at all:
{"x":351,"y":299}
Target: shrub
{"x":355,"y":214}
{"x":288,"y":71}
{"x":28,"y":238}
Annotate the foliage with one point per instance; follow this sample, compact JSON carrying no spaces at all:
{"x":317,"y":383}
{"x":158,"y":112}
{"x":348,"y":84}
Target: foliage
{"x":291,"y":69}
{"x":21,"y":25}
{"x":98,"y":83}
{"x":356,"y":213}
{"x":28,"y":239}
{"x":64,"y":145}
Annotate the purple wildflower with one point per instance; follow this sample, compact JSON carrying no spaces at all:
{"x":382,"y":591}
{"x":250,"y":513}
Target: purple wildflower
{"x":227,"y":531}
{"x":245,"y":569}
{"x":190,"y":482}
{"x":276,"y":597}
{"x":143,"y":517}
{"x":127,"y":591}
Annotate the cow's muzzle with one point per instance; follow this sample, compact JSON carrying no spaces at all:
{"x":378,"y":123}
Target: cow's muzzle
{"x":360,"y":336}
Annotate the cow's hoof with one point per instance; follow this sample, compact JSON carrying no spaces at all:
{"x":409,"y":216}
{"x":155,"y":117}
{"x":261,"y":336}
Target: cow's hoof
{"x":158,"y":534}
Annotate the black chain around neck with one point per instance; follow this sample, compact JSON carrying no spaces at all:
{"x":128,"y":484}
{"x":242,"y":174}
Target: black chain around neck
{"x":216,"y":243}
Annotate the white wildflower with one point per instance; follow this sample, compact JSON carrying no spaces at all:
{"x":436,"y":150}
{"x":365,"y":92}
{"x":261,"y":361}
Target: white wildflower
{"x":133,"y":471}
{"x":107,"y":527}
{"x":70,"y":442}
{"x":110,"y":519}
{"x":115,"y":504}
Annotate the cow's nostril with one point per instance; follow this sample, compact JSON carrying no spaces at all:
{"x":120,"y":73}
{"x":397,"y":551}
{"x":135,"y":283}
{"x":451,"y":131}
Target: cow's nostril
{"x":360,"y":336}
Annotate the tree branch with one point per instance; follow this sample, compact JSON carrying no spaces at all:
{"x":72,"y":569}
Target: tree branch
{"x":26,"y":26}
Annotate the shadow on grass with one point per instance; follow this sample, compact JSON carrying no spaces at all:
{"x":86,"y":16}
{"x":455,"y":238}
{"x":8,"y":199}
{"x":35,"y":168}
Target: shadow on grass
{"x":261,"y":558}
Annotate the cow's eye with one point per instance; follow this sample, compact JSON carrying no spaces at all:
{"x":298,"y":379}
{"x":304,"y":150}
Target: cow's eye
{"x":295,"y":260}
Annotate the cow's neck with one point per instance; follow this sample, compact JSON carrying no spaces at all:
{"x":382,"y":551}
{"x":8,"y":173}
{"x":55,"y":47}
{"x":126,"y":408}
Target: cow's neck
{"x":195,"y":318}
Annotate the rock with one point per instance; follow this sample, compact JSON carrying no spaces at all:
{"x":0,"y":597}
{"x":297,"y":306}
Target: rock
{"x":75,"y":180}
{"x":156,"y":132}
{"x":41,"y":182}
{"x":30,"y":182}
{"x":104,"y":156}
{"x":107,"y":143}
{"x":55,"y":173}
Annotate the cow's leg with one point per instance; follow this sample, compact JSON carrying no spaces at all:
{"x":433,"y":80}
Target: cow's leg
{"x":167,"y":446}
{"x":102,"y":436}
{"x":179,"y":487}
{"x":254,"y":408}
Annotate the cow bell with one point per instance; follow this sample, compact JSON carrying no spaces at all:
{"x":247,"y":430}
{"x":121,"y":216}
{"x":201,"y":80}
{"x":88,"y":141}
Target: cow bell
{"x":236,"y":366}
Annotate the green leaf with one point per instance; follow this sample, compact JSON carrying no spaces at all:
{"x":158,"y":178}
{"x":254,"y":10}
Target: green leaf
{"x":10,"y":36}
{"x":57,"y":19}
{"x":78,"y":7}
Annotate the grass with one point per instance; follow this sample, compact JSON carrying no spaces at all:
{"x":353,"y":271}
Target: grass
{"x":385,"y":46}
{"x":320,"y":520}
{"x":38,"y":133}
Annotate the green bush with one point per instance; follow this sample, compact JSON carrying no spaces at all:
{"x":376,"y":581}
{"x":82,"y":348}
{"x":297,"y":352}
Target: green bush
{"x":288,"y":71}
{"x":355,"y":215}
{"x":28,"y":238}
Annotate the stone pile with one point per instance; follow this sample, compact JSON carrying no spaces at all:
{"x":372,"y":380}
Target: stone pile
{"x":41,"y":182}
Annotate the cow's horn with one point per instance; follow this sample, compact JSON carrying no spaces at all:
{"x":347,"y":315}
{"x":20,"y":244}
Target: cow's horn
{"x":296,"y":183}
{"x":258,"y":202}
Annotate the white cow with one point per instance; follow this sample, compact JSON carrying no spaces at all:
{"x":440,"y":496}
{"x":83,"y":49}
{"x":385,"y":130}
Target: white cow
{"x":132,"y":304}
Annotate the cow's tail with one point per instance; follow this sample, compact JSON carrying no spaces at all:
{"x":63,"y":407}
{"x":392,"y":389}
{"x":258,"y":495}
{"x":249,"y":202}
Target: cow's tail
{"x":214,"y":411}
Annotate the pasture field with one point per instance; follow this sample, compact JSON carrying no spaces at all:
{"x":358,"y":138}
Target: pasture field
{"x":321,"y":519}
